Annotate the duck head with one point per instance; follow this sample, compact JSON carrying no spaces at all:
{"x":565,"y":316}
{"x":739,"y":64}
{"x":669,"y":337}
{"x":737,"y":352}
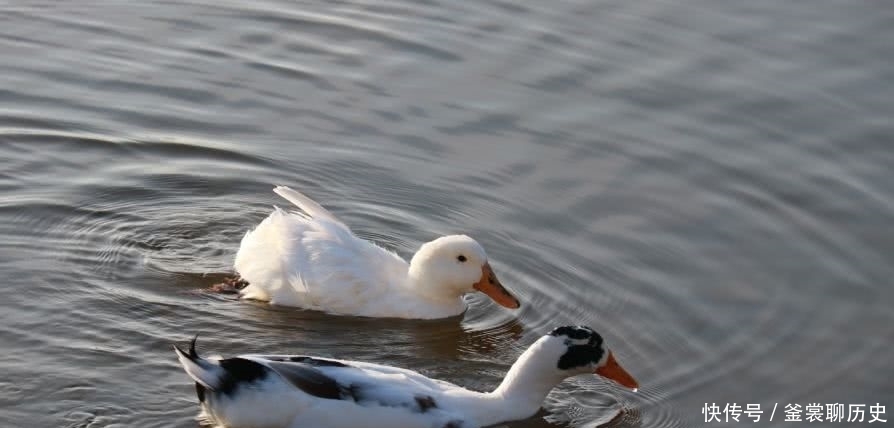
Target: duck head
{"x":562,"y":353}
{"x":573,"y":350}
{"x":451,"y":266}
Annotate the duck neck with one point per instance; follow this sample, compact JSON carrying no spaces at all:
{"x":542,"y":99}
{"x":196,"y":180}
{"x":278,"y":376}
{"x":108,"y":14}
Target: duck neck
{"x":432,"y":301}
{"x":521,"y":393}
{"x":420,"y":283}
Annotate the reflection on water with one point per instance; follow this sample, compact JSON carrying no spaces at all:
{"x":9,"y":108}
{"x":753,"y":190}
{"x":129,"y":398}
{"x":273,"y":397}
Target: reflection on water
{"x":708,"y":184}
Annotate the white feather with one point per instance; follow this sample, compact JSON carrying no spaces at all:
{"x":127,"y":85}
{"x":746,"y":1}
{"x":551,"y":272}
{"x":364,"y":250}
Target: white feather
{"x":375,"y":395}
{"x":202,"y":371}
{"x":308,"y":205}
{"x":312,"y":260}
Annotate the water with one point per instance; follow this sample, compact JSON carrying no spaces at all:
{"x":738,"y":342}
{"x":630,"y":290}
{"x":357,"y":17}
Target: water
{"x":707,"y":183}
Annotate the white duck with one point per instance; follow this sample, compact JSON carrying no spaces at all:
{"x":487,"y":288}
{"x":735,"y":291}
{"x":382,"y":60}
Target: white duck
{"x":310,"y":259}
{"x":284,"y":391}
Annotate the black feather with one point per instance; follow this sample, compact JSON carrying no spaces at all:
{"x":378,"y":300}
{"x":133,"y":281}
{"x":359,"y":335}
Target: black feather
{"x":576,"y":332}
{"x":579,"y":356}
{"x":240,"y":372}
{"x":425,"y":402}
{"x":192,"y":348}
{"x":317,"y":362}
{"x":200,"y":392}
{"x":193,"y":355}
{"x":313,"y":361}
{"x":310,"y":380}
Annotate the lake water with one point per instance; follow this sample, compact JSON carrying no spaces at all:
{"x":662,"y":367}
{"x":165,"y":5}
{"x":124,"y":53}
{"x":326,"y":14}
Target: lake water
{"x":710,"y":184}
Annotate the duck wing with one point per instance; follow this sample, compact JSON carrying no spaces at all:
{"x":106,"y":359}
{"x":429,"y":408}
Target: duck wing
{"x":311,"y":259}
{"x":364,"y":383}
{"x":309,"y":206}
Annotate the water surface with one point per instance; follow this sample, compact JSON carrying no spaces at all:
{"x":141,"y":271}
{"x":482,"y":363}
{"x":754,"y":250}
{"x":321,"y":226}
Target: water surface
{"x":707,"y":183}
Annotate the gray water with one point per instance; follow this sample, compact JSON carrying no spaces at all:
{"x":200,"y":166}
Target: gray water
{"x":709,"y":184}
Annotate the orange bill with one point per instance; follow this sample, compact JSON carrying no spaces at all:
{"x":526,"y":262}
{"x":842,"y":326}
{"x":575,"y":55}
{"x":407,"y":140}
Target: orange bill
{"x":612,"y":370}
{"x":490,"y":285}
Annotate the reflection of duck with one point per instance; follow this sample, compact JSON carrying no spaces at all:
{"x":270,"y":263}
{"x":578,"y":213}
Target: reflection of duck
{"x":299,"y":391}
{"x":310,"y":259}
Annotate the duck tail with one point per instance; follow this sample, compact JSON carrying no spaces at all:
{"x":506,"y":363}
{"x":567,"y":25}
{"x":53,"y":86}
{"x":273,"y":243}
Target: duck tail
{"x":205,"y":372}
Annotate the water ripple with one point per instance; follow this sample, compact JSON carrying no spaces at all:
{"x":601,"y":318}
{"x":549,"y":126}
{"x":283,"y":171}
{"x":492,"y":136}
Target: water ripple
{"x":707,"y":185}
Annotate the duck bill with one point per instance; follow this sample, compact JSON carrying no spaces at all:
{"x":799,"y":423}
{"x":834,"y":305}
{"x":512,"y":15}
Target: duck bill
{"x":490,"y":285}
{"x":612,"y":370}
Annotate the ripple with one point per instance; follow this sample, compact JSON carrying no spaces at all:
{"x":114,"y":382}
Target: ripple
{"x":292,"y":71}
{"x":706,"y":185}
{"x":345,"y":28}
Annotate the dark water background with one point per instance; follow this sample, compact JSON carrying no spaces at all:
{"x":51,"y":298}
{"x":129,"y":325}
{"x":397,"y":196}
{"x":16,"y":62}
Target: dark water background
{"x":710,"y":184}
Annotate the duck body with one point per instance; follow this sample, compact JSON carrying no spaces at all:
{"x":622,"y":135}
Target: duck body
{"x":312,"y":260}
{"x":279,"y":391}
{"x":292,"y":391}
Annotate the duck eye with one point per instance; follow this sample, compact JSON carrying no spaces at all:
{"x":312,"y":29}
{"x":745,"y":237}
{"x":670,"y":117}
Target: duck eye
{"x":461,"y":258}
